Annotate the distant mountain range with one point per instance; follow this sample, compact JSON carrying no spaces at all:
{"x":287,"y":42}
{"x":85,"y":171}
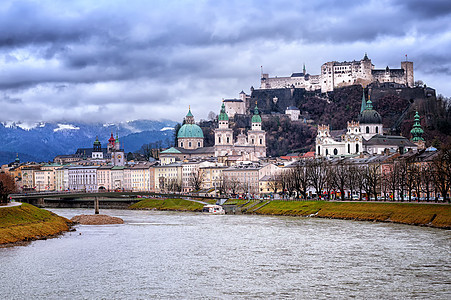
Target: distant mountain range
{"x":44,"y":141}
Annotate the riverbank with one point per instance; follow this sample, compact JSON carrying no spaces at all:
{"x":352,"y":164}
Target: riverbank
{"x":168,"y":205}
{"x":26,"y":223}
{"x":433,"y":215}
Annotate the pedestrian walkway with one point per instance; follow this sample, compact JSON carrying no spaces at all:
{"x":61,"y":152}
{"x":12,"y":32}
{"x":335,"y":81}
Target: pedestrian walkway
{"x":11,"y":204}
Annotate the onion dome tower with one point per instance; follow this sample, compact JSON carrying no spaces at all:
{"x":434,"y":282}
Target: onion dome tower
{"x":256,"y":137}
{"x":223,"y":134}
{"x":111,"y":143}
{"x":417,"y":132}
{"x":369,"y":119}
{"x":190,"y":135}
{"x":256,"y":119}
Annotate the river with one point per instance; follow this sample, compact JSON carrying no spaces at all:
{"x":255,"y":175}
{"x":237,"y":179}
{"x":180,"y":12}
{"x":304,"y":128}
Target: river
{"x":166,"y":255}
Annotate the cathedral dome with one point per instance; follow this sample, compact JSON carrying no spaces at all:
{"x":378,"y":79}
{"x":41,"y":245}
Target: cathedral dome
{"x":370,"y":117}
{"x":190,"y":131}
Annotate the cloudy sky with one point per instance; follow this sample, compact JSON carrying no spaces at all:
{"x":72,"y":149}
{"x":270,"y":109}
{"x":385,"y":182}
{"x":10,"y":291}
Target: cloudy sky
{"x":112,"y":61}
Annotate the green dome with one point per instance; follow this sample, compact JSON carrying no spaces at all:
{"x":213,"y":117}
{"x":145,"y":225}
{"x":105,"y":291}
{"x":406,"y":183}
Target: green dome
{"x":223,"y":115}
{"x":256,"y":117}
{"x":369,"y":115}
{"x":190,"y":131}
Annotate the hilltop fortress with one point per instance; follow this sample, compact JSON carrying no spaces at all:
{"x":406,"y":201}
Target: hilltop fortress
{"x":339,"y":74}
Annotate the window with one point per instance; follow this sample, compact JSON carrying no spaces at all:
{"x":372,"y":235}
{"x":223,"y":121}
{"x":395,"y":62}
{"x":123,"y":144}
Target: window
{"x":181,"y":144}
{"x":349,"y":148}
{"x":189,"y":144}
{"x":319,"y":150}
{"x":335,"y":151}
{"x":198,"y":144}
{"x":261,"y":141}
{"x":357,"y":148}
{"x":377,"y":129}
{"x":228,"y":140}
{"x":219,"y":140}
{"x":327,"y":151}
{"x":367,"y":129}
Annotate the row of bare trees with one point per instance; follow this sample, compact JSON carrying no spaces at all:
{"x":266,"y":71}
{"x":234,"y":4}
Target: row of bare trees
{"x":401,"y":179}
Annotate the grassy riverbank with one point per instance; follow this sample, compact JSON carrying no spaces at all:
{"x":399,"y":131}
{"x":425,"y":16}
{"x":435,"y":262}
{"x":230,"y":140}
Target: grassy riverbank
{"x":406,"y":213}
{"x":27,"y":222}
{"x":168,"y":204}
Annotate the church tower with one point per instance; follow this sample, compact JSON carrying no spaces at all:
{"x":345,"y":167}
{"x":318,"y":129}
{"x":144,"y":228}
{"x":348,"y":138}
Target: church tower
{"x":117,"y":154}
{"x":97,"y":152}
{"x":417,"y":132}
{"x":256,"y":137}
{"x":223,"y":134}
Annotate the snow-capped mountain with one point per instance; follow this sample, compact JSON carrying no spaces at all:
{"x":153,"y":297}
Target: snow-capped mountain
{"x":44,"y":141}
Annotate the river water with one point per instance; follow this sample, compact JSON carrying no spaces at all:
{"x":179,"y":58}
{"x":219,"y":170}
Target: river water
{"x":165,"y":255}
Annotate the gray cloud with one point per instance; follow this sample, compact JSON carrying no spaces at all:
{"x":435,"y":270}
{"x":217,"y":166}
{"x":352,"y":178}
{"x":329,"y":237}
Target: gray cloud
{"x":74,"y":60}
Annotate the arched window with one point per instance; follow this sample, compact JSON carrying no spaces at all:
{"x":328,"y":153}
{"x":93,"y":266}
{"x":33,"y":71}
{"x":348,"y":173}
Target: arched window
{"x":198,"y":144}
{"x":181,"y":144}
{"x":357,"y":148}
{"x":335,"y":151}
{"x":349,"y":148}
{"x":319,"y":150}
{"x":252,"y":141}
{"x":377,"y":129}
{"x":189,"y":144}
{"x":228,"y":140}
{"x":367,"y":129}
{"x":261,"y":141}
{"x":219,"y":140}
{"x":327,"y":151}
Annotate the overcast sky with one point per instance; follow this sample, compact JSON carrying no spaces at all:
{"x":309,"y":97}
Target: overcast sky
{"x":112,"y":61}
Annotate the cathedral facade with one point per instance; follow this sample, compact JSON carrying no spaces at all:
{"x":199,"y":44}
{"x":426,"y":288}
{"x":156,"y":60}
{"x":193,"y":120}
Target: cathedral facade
{"x":364,"y":136}
{"x":252,"y":145}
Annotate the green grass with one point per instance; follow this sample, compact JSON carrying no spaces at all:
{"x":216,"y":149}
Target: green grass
{"x":168,"y":204}
{"x":27,"y":222}
{"x":406,"y":213}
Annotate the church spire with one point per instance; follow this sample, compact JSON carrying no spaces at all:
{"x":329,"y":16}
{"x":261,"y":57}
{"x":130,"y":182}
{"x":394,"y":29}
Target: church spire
{"x":363,"y":106}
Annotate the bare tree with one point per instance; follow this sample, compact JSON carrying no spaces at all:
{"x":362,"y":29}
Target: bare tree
{"x":317,"y":174}
{"x":442,"y":174}
{"x":300,"y":179}
{"x":427,"y":180}
{"x":211,"y":116}
{"x":361,"y":180}
{"x":402,"y":177}
{"x":339,"y":174}
{"x":197,"y":179}
{"x":372,"y":180}
{"x":222,"y":184}
{"x":352,"y":179}
{"x":274,"y":183}
{"x":392,"y":179}
{"x":234,"y":185}
{"x":7,"y":186}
